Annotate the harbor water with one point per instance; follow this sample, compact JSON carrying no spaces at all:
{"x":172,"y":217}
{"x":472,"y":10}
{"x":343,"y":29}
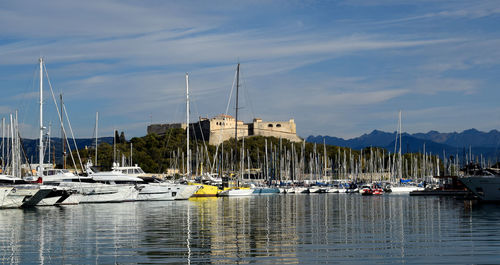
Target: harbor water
{"x":273,"y":229}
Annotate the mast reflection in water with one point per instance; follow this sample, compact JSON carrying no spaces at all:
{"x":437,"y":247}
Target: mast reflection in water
{"x":290,"y":229}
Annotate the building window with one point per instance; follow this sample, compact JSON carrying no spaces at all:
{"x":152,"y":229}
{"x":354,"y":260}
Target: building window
{"x":269,"y":125}
{"x":278,"y":125}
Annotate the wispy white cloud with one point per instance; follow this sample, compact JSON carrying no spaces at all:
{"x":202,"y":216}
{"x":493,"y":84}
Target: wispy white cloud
{"x":464,"y":56}
{"x":445,"y":9}
{"x":128,"y":59}
{"x":436,"y":85}
{"x":95,"y":19}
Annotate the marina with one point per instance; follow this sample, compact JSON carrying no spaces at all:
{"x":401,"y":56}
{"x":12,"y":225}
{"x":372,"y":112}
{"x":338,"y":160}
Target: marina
{"x":280,"y":229}
{"x":250,"y":132}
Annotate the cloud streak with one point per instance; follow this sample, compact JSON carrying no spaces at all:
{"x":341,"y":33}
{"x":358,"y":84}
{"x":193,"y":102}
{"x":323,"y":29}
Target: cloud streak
{"x":305,"y":60}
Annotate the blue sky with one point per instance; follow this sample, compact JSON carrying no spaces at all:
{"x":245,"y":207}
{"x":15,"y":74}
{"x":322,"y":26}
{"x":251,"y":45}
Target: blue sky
{"x":339,"y":68}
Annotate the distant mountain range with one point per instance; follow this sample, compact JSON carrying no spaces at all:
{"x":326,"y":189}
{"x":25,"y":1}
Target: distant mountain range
{"x":480,"y":143}
{"x":31,"y":146}
{"x":485,"y":143}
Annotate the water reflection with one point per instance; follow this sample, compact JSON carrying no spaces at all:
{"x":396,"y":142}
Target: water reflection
{"x":291,"y":229}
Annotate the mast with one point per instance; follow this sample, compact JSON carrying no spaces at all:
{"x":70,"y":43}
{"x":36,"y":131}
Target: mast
{"x":188,"y":153}
{"x":324,"y":152}
{"x":63,"y":136}
{"x":115,"y":133}
{"x":12,"y":146}
{"x":96,"y":124}
{"x":236,"y":118}
{"x":40,"y":144}
{"x":48,"y":139}
{"x":267,"y":163}
{"x":400,"y":168}
{"x":3,"y":144}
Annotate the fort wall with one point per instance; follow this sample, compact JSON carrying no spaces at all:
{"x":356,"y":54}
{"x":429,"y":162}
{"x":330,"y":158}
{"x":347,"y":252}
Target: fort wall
{"x":160,"y":129}
{"x":222,"y":128}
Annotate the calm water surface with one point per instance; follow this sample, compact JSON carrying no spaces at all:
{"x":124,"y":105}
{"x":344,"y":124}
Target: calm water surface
{"x":300,"y":229}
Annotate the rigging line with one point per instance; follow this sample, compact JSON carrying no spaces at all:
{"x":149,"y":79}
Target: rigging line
{"x":201,"y":132}
{"x":168,"y":136}
{"x":246,"y":93}
{"x":74,"y":141}
{"x":224,"y":117}
{"x":25,"y":155}
{"x":24,"y":97}
{"x":60,"y":118}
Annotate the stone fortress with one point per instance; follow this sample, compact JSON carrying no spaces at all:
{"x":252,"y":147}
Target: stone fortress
{"x":222,"y":127}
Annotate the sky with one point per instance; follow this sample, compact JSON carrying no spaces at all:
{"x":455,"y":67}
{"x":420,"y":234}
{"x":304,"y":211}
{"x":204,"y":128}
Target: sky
{"x":338,"y":68}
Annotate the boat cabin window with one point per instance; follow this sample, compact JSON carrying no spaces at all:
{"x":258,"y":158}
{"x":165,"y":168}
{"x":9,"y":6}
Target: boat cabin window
{"x":50,"y":172}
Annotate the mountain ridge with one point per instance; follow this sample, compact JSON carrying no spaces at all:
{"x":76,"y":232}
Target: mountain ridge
{"x":479,"y":143}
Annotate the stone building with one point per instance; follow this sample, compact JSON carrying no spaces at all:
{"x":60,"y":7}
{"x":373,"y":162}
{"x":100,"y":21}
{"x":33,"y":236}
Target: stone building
{"x":222,"y":127}
{"x":278,"y":129}
{"x":160,"y":129}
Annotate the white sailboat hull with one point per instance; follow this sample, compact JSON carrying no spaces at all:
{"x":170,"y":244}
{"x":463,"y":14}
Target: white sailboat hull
{"x":295,"y":190}
{"x":237,"y":192}
{"x":332,"y":190}
{"x":404,"y":189}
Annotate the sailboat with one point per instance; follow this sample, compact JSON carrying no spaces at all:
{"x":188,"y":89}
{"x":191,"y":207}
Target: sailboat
{"x":66,"y":186}
{"x":97,"y":187}
{"x":238,"y":190}
{"x":397,"y":186}
{"x":24,"y":193}
{"x":203,"y":189}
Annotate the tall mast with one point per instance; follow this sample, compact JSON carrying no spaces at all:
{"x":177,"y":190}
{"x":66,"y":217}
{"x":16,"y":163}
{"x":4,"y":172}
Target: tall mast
{"x":188,"y":153}
{"x":12,"y":146}
{"x":96,"y":124}
{"x":115,"y":132}
{"x":3,"y":144}
{"x":400,"y":168}
{"x":324,"y":152}
{"x":40,"y":144}
{"x":63,"y":136}
{"x":236,"y":118}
